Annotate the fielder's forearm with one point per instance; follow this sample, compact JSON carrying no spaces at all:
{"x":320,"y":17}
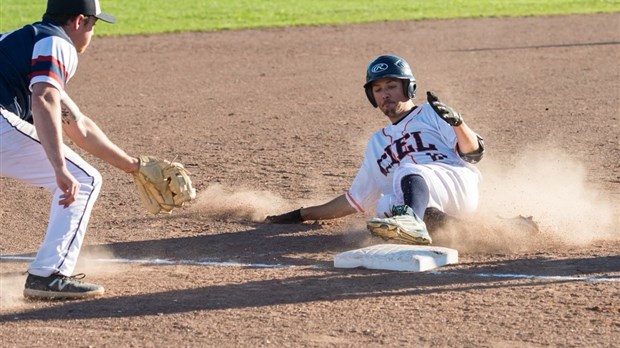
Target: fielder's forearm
{"x":88,"y":136}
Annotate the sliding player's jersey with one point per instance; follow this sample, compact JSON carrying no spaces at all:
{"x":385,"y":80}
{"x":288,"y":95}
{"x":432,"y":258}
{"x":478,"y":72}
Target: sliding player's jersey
{"x":420,"y":138}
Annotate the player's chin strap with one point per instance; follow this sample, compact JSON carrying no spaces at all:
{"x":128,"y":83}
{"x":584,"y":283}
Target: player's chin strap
{"x":476,"y":156}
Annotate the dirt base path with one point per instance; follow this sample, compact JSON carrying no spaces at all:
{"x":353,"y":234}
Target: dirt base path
{"x":270,"y":120}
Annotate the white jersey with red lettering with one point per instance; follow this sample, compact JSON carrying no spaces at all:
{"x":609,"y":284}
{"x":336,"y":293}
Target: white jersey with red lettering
{"x":420,"y":143}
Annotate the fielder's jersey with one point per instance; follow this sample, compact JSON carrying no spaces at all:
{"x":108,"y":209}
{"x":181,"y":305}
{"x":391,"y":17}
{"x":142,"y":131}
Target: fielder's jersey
{"x":421,"y":137}
{"x":39,"y":52}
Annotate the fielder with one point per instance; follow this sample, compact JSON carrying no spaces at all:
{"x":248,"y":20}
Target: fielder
{"x":419,"y":164}
{"x":38,"y":61}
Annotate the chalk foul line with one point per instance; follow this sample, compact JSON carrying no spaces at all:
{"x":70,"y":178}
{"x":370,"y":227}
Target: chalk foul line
{"x":166,"y":262}
{"x":532,"y":276}
{"x":263,"y":265}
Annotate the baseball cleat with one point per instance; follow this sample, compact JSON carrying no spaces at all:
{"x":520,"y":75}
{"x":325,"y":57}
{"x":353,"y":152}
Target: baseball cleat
{"x":58,"y":286}
{"x":405,"y":228}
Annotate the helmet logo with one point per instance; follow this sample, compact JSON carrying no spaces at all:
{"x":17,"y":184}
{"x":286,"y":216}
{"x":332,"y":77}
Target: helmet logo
{"x":379,"y":68}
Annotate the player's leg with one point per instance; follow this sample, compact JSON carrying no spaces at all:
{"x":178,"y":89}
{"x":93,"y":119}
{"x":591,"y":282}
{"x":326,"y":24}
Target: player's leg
{"x":24,"y":158}
{"x":404,"y":220}
{"x":67,"y":226}
{"x":452,"y":190}
{"x":415,"y":193}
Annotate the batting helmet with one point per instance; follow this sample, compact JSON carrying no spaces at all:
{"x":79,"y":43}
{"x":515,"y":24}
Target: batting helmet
{"x":389,"y":66}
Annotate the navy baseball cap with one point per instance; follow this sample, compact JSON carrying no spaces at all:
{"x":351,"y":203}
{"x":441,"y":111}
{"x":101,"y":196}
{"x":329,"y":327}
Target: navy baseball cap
{"x":76,"y":7}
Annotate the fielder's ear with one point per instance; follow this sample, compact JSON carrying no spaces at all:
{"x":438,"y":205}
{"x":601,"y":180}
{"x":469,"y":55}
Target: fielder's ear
{"x":74,"y":23}
{"x":78,"y":21}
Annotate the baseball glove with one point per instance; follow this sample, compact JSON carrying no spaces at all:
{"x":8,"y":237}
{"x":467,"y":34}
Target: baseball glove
{"x":163,"y":185}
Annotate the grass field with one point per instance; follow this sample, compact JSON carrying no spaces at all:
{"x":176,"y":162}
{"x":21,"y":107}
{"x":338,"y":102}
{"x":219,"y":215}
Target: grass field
{"x":160,"y":16}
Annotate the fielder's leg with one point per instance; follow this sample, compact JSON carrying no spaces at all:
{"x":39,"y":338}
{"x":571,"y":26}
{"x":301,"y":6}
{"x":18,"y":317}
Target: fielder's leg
{"x":24,"y":158}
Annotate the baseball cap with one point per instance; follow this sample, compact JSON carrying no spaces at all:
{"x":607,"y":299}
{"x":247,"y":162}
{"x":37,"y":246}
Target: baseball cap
{"x":76,"y":7}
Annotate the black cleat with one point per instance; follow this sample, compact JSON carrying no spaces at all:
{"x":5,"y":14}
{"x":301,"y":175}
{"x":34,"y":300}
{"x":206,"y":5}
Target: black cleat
{"x":58,"y":286}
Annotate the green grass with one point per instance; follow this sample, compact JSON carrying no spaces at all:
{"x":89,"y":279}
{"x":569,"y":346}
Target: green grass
{"x":159,"y":16}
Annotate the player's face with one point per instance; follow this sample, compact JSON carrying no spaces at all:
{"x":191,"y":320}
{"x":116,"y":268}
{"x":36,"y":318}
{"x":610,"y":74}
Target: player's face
{"x":390,"y":97}
{"x":83,"y":32}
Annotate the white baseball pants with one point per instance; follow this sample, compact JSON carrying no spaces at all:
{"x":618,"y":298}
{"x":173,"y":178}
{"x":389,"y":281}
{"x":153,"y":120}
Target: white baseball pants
{"x":453,"y":190}
{"x":22,"y":157}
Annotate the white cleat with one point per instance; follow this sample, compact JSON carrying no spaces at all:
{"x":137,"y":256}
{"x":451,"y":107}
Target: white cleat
{"x":405,"y":228}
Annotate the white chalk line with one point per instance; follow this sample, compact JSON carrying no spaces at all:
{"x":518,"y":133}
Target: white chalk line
{"x":531,"y":276}
{"x":167,"y":262}
{"x":263,"y":265}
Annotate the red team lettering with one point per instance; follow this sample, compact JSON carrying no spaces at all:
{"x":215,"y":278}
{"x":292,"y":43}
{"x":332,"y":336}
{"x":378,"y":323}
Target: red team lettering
{"x":401,"y":148}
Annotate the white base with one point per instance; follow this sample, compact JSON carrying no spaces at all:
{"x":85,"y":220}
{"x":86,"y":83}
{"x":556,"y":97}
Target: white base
{"x":397,"y":257}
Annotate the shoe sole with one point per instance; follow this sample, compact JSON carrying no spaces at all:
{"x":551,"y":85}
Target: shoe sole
{"x":380,"y":228}
{"x":58,"y":295}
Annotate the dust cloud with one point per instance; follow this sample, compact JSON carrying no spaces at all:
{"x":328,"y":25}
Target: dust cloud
{"x":541,"y":200}
{"x":245,"y":204}
{"x":94,"y":261}
{"x":98,"y":261}
{"x":549,"y":187}
{"x":11,"y":290}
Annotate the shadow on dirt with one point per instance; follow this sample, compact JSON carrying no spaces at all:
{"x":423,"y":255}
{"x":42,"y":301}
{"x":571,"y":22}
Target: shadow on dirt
{"x":548,"y":267}
{"x":255,"y":243}
{"x":327,"y":285}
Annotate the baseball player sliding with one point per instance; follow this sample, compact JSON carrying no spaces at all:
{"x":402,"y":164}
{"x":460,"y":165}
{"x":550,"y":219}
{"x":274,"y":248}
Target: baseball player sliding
{"x":38,"y":60}
{"x":419,"y":164}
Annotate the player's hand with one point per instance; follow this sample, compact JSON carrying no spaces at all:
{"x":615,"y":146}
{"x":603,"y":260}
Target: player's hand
{"x":446,"y":113}
{"x":292,"y":217}
{"x":69,"y":187}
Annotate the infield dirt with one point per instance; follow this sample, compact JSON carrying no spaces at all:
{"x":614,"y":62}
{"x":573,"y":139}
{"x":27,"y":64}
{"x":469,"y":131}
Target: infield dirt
{"x":271,"y":120}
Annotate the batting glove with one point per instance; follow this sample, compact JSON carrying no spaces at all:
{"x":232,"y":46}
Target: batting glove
{"x":444,"y":111}
{"x":292,"y":217}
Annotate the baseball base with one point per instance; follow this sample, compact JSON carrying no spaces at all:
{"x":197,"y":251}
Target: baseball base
{"x":397,"y":257}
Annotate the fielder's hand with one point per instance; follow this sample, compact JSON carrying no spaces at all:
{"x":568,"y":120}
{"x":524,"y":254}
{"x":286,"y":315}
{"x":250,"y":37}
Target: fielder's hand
{"x":444,"y":111}
{"x":292,"y":217}
{"x":163,"y":185}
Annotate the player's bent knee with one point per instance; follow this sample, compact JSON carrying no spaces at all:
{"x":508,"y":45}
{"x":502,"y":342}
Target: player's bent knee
{"x":91,"y":180}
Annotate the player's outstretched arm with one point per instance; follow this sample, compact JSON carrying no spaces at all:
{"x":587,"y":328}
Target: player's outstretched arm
{"x":336,"y":208}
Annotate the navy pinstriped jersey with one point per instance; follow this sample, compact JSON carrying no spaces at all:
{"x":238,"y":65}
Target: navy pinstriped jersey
{"x":39,"y":52}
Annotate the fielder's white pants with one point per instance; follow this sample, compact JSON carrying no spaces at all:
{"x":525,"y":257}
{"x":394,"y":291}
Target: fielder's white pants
{"x":453,"y":190}
{"x":22,"y":157}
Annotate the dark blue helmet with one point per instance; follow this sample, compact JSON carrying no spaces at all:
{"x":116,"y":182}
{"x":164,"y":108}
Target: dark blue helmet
{"x":389,"y":66}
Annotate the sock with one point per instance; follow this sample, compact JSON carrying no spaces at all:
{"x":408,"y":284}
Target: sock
{"x":415,"y":193}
